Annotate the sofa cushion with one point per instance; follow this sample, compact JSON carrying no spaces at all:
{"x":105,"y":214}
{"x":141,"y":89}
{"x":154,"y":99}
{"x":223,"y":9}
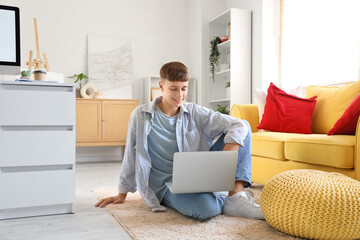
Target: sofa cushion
{"x":346,"y":125}
{"x":260,"y":96}
{"x":270,"y":144}
{"x":287,"y":113}
{"x":335,"y":151}
{"x":331,"y":104}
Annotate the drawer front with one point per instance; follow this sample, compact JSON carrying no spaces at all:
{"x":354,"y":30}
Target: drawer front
{"x":29,"y":189}
{"x":32,"y":148}
{"x":36,"y":105}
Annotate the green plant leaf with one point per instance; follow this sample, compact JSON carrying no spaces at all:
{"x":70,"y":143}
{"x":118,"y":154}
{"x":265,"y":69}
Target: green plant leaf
{"x":26,"y":73}
{"x":79,"y":77}
{"x":223,"y":109}
{"x":214,"y":55}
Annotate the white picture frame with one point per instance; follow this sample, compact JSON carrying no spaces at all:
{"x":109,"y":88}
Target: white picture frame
{"x":155,"y":93}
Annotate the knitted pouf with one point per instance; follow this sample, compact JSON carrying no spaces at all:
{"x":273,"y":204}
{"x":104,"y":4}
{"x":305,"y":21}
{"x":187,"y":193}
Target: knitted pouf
{"x":313,"y":204}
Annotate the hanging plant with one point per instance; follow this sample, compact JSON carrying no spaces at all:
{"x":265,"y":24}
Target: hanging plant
{"x":214,"y":55}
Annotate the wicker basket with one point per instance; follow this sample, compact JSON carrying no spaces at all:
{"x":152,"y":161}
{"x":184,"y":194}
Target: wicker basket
{"x":313,"y":204}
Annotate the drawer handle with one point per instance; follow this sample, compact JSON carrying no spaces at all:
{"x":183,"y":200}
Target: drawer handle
{"x":35,"y":87}
{"x":36,"y":128}
{"x":36,"y":168}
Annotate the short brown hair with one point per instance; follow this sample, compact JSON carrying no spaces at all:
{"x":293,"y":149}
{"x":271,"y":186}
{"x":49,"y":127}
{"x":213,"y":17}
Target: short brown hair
{"x":174,"y":71}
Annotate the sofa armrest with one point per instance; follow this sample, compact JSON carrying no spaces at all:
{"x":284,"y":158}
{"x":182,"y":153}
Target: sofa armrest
{"x":248,"y":112}
{"x":357,"y":151}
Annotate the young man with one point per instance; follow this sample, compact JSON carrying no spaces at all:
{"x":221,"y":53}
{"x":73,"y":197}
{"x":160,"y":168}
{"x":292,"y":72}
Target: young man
{"x":167,"y":125}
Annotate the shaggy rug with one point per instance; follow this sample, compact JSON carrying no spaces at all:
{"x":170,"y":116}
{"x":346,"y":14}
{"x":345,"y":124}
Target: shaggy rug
{"x":136,"y":218}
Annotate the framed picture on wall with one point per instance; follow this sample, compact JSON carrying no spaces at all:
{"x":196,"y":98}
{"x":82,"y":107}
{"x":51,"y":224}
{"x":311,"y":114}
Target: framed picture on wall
{"x":155,"y":92}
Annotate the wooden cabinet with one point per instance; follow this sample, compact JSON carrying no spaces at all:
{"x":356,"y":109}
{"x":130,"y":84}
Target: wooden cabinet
{"x":103,"y":122}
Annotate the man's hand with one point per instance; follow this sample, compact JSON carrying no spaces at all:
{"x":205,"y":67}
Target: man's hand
{"x":231,"y":147}
{"x":115,"y":200}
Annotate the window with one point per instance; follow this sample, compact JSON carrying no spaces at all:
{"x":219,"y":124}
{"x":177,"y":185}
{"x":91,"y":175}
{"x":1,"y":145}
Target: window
{"x":320,"y":42}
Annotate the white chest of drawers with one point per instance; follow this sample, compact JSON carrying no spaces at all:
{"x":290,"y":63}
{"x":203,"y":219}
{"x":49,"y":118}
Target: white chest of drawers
{"x":37,"y":149}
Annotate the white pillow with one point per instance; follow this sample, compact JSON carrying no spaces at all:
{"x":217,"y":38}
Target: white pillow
{"x":260,"y":97}
{"x":260,"y":100}
{"x":299,"y":91}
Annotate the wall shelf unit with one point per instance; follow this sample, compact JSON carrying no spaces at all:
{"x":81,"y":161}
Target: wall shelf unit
{"x":153,"y":82}
{"x":223,"y":74}
{"x":224,"y":45}
{"x":219,"y":101}
{"x":236,"y":52}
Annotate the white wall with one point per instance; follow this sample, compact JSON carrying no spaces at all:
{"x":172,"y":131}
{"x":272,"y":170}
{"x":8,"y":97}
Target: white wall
{"x":200,"y":13}
{"x":159,"y":31}
{"x":270,"y":43}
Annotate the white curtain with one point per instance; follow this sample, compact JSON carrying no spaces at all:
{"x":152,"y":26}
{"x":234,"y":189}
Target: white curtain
{"x":320,"y":42}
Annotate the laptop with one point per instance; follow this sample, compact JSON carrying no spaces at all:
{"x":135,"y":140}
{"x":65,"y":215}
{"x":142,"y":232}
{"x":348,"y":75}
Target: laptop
{"x":210,"y":171}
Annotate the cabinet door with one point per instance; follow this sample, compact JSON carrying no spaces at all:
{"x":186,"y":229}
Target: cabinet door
{"x":115,"y":115}
{"x":88,"y":120}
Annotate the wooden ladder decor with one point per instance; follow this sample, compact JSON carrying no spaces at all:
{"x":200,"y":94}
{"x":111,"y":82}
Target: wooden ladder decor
{"x":38,"y":63}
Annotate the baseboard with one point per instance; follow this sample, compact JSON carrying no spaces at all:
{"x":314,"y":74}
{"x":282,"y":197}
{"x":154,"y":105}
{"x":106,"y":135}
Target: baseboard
{"x":99,"y":154}
{"x":115,"y":158}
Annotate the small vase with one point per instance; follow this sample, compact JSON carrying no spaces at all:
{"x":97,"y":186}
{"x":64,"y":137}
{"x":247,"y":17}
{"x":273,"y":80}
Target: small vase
{"x":87,"y":90}
{"x":77,"y":93}
{"x":227,"y":93}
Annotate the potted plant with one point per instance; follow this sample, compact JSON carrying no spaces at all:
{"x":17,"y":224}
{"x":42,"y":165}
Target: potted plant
{"x":79,"y":78}
{"x":223,"y":109}
{"x":227,"y":90}
{"x":26,"y":74}
{"x":214,"y":55}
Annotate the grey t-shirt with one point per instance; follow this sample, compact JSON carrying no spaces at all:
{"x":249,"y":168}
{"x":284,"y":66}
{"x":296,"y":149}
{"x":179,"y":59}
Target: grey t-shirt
{"x":162,"y":145}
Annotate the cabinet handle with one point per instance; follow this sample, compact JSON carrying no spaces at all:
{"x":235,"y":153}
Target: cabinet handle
{"x":34,"y":87}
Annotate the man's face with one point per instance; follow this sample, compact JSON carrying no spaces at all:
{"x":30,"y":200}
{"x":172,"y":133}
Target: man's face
{"x":174,"y":93}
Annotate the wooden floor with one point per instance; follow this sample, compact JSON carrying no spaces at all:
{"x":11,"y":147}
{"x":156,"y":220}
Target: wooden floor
{"x":87,"y":223}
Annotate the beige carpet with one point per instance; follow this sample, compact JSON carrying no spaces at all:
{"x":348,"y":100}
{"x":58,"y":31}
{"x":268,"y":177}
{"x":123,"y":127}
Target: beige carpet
{"x":141,"y":223}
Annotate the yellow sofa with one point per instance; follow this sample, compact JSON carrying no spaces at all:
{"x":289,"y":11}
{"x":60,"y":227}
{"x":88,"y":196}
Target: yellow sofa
{"x":275,"y":152}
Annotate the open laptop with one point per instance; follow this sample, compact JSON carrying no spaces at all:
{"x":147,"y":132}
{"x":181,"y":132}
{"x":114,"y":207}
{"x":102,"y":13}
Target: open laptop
{"x":203,"y":171}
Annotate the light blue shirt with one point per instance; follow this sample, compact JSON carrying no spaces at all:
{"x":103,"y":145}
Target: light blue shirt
{"x":162,"y":146}
{"x":196,"y":128}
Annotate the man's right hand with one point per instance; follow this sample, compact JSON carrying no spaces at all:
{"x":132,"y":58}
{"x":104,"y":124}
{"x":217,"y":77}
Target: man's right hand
{"x":120,"y":198}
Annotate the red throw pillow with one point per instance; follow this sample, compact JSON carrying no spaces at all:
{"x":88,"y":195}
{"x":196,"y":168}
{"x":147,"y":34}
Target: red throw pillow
{"x":346,"y":124}
{"x":287,"y":113}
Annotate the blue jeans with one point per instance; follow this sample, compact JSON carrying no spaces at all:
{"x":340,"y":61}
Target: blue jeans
{"x":206,"y":205}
